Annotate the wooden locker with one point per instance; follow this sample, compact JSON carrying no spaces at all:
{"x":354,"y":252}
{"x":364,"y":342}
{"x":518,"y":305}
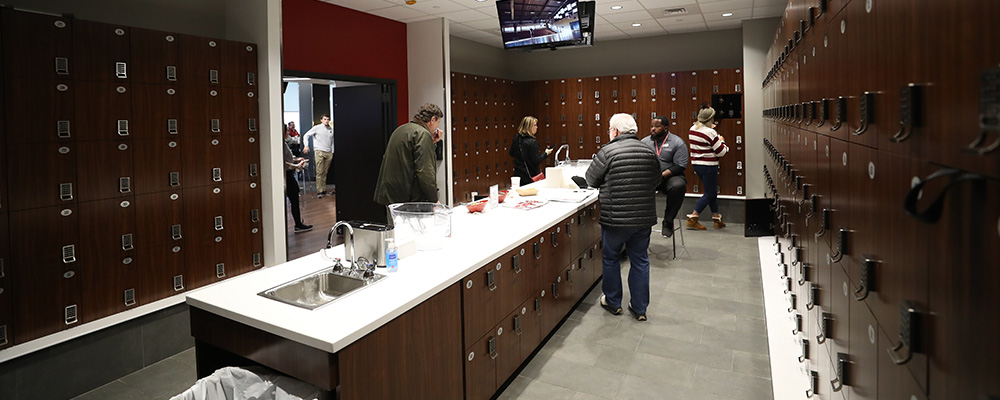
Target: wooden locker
{"x":841,"y":217}
{"x":100,"y":52}
{"x":531,"y":324}
{"x":822,"y":190}
{"x":204,"y":211}
{"x":508,"y":346}
{"x":860,"y":377}
{"x":47,"y":280}
{"x":865,"y":243}
{"x":243,"y":220}
{"x":241,"y":161}
{"x":239,"y":64}
{"x":6,"y":272}
{"x":895,"y":381}
{"x":481,"y":368}
{"x":479,"y":302}
{"x":154,"y":56}
{"x":110,"y":286}
{"x":839,"y":83}
{"x":863,"y":38}
{"x":104,"y":170}
{"x":111,"y":230}
{"x":162,"y":273}
{"x":159,"y":168}
{"x":41,"y":110}
{"x":156,"y":111}
{"x":205,"y":260}
{"x":52,"y":171}
{"x":159,"y":219}
{"x":839,"y":321}
{"x":551,"y":304}
{"x":200,"y":61}
{"x":37,"y":45}
{"x":103,"y":111}
{"x":201,"y":111}
{"x":239,"y":112}
{"x":204,"y":161}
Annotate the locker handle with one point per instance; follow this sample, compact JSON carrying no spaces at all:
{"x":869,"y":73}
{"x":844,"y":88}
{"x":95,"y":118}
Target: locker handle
{"x":841,"y":373}
{"x":909,"y":112}
{"x":975,"y":148}
{"x":491,"y":282}
{"x":909,"y":318}
{"x":842,"y":248}
{"x":515,"y":263}
{"x":824,"y":328}
{"x":840,"y":111}
{"x":555,"y":290}
{"x":822,"y":112}
{"x":517,"y":325}
{"x":555,"y":239}
{"x":805,"y":351}
{"x":989,"y":117}
{"x":824,"y":223}
{"x":866,"y":108}
{"x":813,"y":384}
{"x":867,"y":279}
{"x":933,"y":212}
{"x":538,"y":250}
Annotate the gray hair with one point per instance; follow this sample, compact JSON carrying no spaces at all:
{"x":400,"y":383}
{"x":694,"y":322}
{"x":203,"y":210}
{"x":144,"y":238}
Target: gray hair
{"x":624,"y":123}
{"x":426,"y":112}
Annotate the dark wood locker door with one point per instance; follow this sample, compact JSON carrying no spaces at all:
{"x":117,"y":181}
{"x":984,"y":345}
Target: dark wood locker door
{"x":904,"y":62}
{"x":866,"y":238}
{"x":839,"y":85}
{"x":596,"y":260}
{"x":42,"y":174}
{"x":531,"y":336}
{"x":562,"y":293}
{"x":39,"y":110}
{"x":555,"y":246}
{"x":103,"y":111}
{"x":4,"y":205}
{"x":202,"y":110}
{"x":204,"y":161}
{"x":162,"y":273}
{"x":966,"y":283}
{"x":241,"y":160}
{"x":863,"y":39}
{"x":159,"y":219}
{"x":205,"y":260}
{"x":100,"y":51}
{"x":239,"y":112}
{"x":204,"y":211}
{"x":47,"y":271}
{"x":518,"y":278}
{"x":822,"y":190}
{"x":110,"y":227}
{"x":895,"y":381}
{"x":200,"y":61}
{"x":594,"y":225}
{"x":243,"y":221}
{"x":481,"y":368}
{"x":37,"y":45}
{"x":239,"y":64}
{"x":841,"y":217}
{"x":160,"y":165}
{"x":479,"y":302}
{"x":247,"y":256}
{"x":104,"y":170}
{"x":6,"y":272}
{"x":156,"y":111}
{"x":838,"y":321}
{"x":551,"y":314}
{"x":861,"y":370}
{"x":154,"y":56}
{"x":109,"y":286}
{"x":508,"y":346}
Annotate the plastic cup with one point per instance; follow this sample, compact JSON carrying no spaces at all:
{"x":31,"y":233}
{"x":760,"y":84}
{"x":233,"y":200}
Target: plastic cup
{"x":515,"y":182}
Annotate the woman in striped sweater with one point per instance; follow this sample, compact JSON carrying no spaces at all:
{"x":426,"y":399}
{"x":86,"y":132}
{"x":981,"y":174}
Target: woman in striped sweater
{"x":707,"y":147}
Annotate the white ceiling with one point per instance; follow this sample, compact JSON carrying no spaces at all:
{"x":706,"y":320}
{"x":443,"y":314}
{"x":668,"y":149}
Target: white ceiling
{"x":477,"y":20}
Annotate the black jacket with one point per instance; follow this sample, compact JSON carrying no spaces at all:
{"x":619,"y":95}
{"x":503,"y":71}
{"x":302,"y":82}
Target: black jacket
{"x":527,"y":155}
{"x":627,"y":172}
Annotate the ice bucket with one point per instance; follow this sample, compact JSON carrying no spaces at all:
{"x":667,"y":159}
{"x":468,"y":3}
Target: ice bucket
{"x":426,"y":223}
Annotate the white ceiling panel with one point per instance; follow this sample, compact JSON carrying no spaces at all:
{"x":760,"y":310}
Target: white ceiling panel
{"x":725,"y":6}
{"x":761,"y":3}
{"x":466,"y":15}
{"x":661,"y":5}
{"x":630,"y":16}
{"x":627,"y":6}
{"x":685,"y":28}
{"x":456,"y":28}
{"x":681,"y":20}
{"x":737,"y":15}
{"x":421,"y":18}
{"x":397,"y":13}
{"x":491,"y":24}
{"x":437,"y":6}
{"x":361,"y":5}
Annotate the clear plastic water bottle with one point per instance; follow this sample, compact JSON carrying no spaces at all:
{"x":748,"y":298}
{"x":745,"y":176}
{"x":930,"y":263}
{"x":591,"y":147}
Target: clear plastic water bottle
{"x":391,"y":255}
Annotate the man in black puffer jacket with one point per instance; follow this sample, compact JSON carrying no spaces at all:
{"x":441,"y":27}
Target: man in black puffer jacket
{"x":627,"y":172}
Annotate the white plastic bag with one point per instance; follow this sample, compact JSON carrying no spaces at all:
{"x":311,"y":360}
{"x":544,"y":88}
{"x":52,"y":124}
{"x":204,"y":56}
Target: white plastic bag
{"x":232,"y":383}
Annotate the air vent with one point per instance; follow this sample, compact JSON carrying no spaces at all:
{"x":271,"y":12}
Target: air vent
{"x":675,"y":11}
{"x":172,"y":126}
{"x":178,"y":283}
{"x":220,"y":270}
{"x":70,"y":315}
{"x":129,"y":297}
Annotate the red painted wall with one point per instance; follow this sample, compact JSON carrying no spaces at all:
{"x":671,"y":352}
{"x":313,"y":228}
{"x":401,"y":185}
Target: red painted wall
{"x":325,"y":38}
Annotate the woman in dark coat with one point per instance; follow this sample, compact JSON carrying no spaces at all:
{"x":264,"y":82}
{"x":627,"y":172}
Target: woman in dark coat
{"x":526,"y":151}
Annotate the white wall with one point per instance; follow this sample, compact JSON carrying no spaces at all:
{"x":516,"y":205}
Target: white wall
{"x":427,"y":54}
{"x":757,"y":37}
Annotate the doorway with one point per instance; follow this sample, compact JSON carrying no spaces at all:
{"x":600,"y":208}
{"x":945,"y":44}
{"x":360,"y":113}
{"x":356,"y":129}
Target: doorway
{"x":363,"y":115}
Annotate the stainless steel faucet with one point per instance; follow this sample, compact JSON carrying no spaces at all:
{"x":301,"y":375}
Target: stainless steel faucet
{"x":329,"y":241}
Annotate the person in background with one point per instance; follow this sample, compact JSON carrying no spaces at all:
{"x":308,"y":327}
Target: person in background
{"x":673,"y":155}
{"x":707,"y":147}
{"x":323,"y":144}
{"x":627,"y":172}
{"x":294,"y":140}
{"x":526,"y":151}
{"x":409,"y":171}
{"x":293,"y":164}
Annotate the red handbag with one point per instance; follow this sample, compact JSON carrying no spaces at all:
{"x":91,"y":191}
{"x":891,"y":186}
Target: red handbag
{"x":540,"y":176}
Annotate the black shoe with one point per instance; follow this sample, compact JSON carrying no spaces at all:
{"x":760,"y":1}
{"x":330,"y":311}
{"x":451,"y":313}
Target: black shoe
{"x":606,"y":306}
{"x":667,"y":229}
{"x":303,"y":228}
{"x":638,"y":317}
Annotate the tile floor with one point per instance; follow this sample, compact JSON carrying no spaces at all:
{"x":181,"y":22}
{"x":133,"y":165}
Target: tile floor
{"x":705,"y":338}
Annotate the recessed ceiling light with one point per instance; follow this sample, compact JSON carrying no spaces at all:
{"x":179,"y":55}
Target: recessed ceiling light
{"x":481,"y":1}
{"x":616,"y":7}
{"x":727,"y":14}
{"x":636,"y":24}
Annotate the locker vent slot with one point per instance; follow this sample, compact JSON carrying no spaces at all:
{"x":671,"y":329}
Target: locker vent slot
{"x":175,"y":232}
{"x":255,"y":215}
{"x":213,"y":76}
{"x":256,"y":260}
{"x":251,"y":78}
{"x":62,"y":129}
{"x":3,"y":335}
{"x":66,"y":191}
{"x":253,"y":169}
{"x":125,"y":184}
{"x":62,"y":65}
{"x":127,"y":243}
{"x":215,"y":125}
{"x":252,"y":124}
{"x":120,"y":70}
{"x":175,"y":179}
{"x":171,"y":73}
{"x":69,"y":254}
{"x":123,"y":127}
{"x":70,"y":315}
{"x":220,"y":270}
{"x":178,"y":283}
{"x":217,"y":174}
{"x":129,"y":297}
{"x":218,"y":223}
{"x":172,"y":126}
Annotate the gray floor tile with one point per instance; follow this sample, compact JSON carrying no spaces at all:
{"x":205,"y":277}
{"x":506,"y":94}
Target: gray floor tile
{"x":654,"y":368}
{"x":732,"y":384}
{"x":730,"y":339}
{"x":523,"y":388}
{"x":758,"y":365}
{"x":163,"y":379}
{"x":579,"y":377}
{"x":686,"y":351}
{"x":638,"y":388}
{"x":116,"y":390}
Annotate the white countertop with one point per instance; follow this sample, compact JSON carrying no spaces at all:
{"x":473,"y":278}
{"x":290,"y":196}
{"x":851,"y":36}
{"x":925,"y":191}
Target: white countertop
{"x":476,"y":239}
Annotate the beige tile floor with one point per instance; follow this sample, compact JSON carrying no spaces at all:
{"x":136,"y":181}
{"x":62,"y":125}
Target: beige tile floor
{"x":705,"y":338}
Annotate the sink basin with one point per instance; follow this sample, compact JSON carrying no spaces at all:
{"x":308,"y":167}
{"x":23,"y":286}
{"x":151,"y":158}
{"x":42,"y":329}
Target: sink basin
{"x":318,"y":289}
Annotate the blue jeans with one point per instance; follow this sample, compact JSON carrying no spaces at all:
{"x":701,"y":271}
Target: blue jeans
{"x":710,"y":182}
{"x":636,"y":241}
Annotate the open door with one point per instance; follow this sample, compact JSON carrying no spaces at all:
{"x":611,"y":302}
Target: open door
{"x":363,"y":119}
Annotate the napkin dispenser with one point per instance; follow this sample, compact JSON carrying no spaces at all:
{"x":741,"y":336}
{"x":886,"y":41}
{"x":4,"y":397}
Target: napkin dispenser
{"x":369,"y":241}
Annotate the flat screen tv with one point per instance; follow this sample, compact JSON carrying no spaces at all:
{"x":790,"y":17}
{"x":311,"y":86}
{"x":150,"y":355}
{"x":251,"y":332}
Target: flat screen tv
{"x":539,"y":24}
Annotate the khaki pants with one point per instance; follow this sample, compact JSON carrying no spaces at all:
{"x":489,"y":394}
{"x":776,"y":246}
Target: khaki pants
{"x":323,"y":160}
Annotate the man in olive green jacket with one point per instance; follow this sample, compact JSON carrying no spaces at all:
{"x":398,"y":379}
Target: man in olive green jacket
{"x":408,"y":170}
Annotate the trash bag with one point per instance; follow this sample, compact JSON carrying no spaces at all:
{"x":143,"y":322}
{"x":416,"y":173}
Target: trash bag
{"x":253,"y":383}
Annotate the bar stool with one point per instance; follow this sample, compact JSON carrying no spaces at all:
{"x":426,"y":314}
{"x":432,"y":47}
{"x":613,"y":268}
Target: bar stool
{"x":678,"y":227}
